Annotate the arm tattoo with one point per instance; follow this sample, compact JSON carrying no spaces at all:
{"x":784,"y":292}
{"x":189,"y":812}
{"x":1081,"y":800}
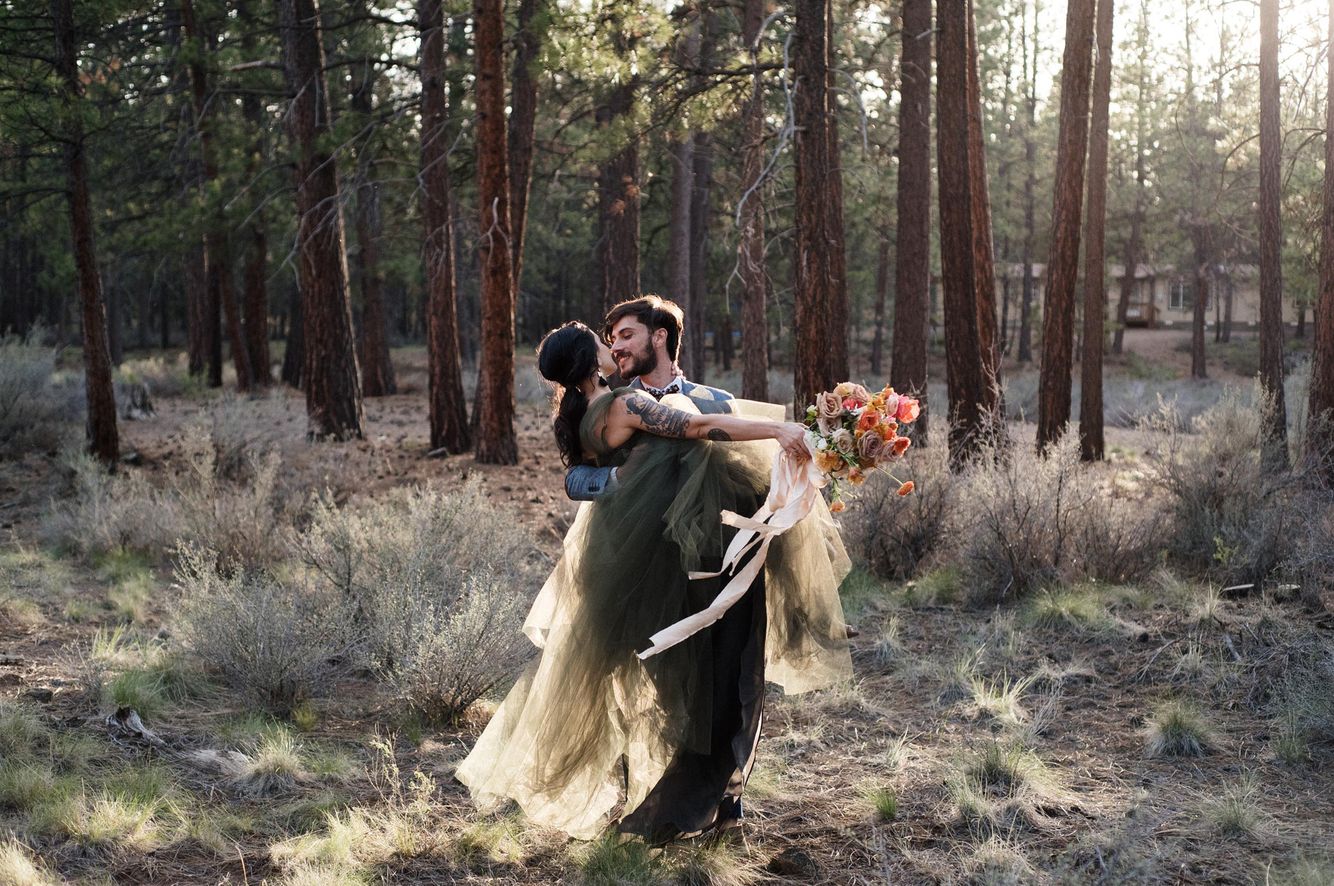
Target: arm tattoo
{"x":658,"y":419}
{"x":719,"y":435}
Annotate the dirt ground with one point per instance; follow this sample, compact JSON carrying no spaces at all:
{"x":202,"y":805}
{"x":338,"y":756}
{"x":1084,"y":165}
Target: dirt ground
{"x":911,"y":725}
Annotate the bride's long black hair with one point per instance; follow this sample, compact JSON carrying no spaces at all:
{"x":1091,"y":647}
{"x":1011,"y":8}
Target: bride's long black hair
{"x":567,"y":356}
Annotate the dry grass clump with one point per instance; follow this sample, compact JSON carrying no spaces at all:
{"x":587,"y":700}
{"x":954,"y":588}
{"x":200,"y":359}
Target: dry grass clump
{"x":999,"y":699}
{"x":997,"y":863}
{"x":1302,"y":870}
{"x":22,"y":731}
{"x":1179,"y":729}
{"x":274,"y":766}
{"x":1031,"y":521}
{"x":897,"y":537}
{"x":438,"y":582}
{"x":279,"y":640}
{"x":1235,"y":812}
{"x":35,"y":412}
{"x":1304,"y":701}
{"x":18,"y":867}
{"x":1003,"y":788}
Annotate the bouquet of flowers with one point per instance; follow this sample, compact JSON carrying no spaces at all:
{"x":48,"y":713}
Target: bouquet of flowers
{"x":853,"y":432}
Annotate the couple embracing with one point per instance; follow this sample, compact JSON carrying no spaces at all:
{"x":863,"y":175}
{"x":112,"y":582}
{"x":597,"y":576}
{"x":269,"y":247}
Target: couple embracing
{"x":592,"y":736}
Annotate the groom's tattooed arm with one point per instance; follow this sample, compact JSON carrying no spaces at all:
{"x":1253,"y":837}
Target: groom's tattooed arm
{"x":719,"y":435}
{"x":658,"y":419}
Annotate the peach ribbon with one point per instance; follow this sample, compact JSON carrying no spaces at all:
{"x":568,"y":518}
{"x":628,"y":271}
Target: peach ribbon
{"x":793,"y":489}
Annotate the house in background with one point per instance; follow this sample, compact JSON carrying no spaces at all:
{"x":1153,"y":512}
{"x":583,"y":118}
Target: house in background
{"x":1162,"y":297}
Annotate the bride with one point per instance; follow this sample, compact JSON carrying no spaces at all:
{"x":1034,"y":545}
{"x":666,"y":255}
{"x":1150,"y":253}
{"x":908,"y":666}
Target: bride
{"x":590,"y":735}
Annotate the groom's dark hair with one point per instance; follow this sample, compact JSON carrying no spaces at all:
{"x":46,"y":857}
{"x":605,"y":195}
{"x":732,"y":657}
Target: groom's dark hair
{"x":653,"y":311}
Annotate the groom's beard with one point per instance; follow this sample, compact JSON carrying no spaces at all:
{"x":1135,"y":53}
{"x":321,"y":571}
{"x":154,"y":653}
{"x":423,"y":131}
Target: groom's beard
{"x":640,"y":364}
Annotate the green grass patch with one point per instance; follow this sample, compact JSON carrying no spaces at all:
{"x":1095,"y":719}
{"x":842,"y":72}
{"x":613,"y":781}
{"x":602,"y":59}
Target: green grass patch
{"x":157,"y":688}
{"x":23,"y":733}
{"x":1235,"y":812}
{"x":611,"y":862}
{"x":885,"y":803}
{"x":862,"y":592}
{"x":23,"y":784}
{"x":940,"y":587}
{"x":1179,"y":729}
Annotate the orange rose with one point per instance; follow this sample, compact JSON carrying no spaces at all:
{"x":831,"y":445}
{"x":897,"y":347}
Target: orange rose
{"x":869,"y":419}
{"x":837,"y":507}
{"x":908,"y":410}
{"x":900,"y":445}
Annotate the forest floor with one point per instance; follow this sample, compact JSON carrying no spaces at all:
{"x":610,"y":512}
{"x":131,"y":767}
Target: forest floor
{"x":985,"y":745}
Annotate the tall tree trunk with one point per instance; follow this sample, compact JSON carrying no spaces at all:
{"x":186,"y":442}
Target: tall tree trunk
{"x":1091,"y":443}
{"x":294,"y":351}
{"x":255,"y":273}
{"x":965,"y":362}
{"x":1134,"y":243}
{"x":1271,"y":241}
{"x":102,"y":435}
{"x":221,"y":292}
{"x":750,"y":249}
{"x":195,"y":276}
{"x":618,"y":192}
{"x":681,"y":154}
{"x":1025,"y":354}
{"x":1058,"y":309}
{"x":377,"y":369}
{"x":448,"y":411}
{"x":881,"y":296}
{"x":984,"y":262}
{"x":840,"y":327}
{"x":496,"y":440}
{"x":692,"y":339}
{"x":329,"y":374}
{"x":523,"y":123}
{"x":1201,"y":237}
{"x":1320,"y":411}
{"x":813,"y":265}
{"x":1227,"y":309}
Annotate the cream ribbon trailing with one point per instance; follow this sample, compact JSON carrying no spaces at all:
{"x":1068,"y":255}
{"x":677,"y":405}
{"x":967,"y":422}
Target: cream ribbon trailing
{"x":793,"y":489}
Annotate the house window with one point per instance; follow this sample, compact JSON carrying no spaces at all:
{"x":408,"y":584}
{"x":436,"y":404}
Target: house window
{"x":1179,"y":298}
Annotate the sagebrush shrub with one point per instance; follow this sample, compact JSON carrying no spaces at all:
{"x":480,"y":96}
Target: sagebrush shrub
{"x":277,"y":639}
{"x":35,"y":412}
{"x":438,"y":582}
{"x":457,"y":653}
{"x":243,"y":518}
{"x":98,"y":512}
{"x":897,"y":536}
{"x":1232,"y":515}
{"x":1027,"y":521}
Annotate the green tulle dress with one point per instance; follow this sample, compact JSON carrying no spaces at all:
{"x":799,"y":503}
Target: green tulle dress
{"x":590,"y":736}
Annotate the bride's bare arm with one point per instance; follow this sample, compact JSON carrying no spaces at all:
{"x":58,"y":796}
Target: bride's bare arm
{"x":642,"y":413}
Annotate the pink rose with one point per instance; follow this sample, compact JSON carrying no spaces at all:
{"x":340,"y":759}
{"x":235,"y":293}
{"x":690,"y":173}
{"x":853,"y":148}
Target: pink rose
{"x":843,"y":441}
{"x":907,"y":410}
{"x":828,"y":407}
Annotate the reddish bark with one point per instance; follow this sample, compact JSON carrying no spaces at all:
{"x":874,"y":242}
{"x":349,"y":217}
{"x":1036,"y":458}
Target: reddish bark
{"x":965,"y":371}
{"x":496,"y":440}
{"x":1091,"y":443}
{"x":523,"y":122}
{"x":618,"y":200}
{"x":984,"y":263}
{"x":1320,"y":437}
{"x":329,"y":372}
{"x":1058,"y":309}
{"x":813,"y":264}
{"x":448,"y":411}
{"x":1271,"y":240}
{"x":102,"y":434}
{"x":913,"y":200}
{"x":839,"y":317}
{"x":750,"y":249}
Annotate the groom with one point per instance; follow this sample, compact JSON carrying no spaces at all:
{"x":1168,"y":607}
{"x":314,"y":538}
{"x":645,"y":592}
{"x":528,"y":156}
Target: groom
{"x":645,"y":338}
